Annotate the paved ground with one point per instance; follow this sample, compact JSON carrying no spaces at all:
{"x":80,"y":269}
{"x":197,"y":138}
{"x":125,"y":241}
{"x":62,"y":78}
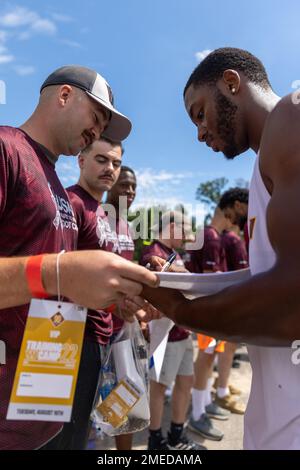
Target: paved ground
{"x":233,"y":428}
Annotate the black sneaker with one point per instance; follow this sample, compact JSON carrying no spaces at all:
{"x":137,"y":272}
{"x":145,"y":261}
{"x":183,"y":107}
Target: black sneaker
{"x":159,"y":443}
{"x":183,"y":443}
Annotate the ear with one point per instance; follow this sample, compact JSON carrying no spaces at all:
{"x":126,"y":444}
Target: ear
{"x":232,"y":81}
{"x":237,"y":205}
{"x":64,"y":94}
{"x":81,"y":161}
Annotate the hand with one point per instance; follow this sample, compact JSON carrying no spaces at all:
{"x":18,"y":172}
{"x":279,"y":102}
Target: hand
{"x":157,"y":264}
{"x":167,"y":301}
{"x":140,"y":308}
{"x":95,"y":279}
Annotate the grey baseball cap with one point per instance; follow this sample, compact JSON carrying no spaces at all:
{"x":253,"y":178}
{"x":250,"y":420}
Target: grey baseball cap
{"x":98,"y":89}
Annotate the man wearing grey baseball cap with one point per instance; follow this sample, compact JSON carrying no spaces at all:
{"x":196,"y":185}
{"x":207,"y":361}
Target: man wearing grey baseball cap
{"x":95,"y":86}
{"x":36,"y":217}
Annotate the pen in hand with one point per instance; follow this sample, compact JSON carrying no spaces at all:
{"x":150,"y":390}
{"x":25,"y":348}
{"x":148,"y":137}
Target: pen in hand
{"x":168,"y":263}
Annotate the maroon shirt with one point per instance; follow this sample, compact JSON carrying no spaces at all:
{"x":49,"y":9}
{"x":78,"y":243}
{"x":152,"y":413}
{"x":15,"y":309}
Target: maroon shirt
{"x":211,"y":257}
{"x":97,"y":231}
{"x":159,"y":249}
{"x":35,"y":217}
{"x":235,"y":251}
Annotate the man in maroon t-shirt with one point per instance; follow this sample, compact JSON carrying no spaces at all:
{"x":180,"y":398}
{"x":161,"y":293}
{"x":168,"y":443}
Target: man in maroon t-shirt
{"x":121,"y":197}
{"x":234,"y":203}
{"x":178,"y":360}
{"x":36,"y":217}
{"x":100,"y":169}
{"x":209,"y":259}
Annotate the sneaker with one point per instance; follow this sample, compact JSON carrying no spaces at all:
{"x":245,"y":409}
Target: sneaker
{"x":204,"y":427}
{"x":183,"y":443}
{"x":231,"y":404}
{"x":235,"y":365}
{"x":214,"y":411}
{"x":234,"y":390}
{"x":157,"y":443}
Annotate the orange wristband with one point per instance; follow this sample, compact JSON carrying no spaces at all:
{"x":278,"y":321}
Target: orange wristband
{"x":33,"y":272}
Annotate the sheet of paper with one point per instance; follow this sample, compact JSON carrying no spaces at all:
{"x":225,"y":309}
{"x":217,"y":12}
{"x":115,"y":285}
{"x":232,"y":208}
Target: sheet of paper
{"x":199,"y":285}
{"x":159,"y":329}
{"x":159,"y":332}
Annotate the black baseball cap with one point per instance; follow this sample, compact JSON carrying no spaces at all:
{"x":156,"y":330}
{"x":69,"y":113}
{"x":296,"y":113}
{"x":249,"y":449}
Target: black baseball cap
{"x":98,"y":89}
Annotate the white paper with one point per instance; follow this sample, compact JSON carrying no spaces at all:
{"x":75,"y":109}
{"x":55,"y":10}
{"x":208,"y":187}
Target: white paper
{"x":159,"y":329}
{"x":200,"y":285}
{"x":44,"y":385}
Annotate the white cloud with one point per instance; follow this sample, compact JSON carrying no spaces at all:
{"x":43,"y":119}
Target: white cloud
{"x":202,"y":54}
{"x":43,"y":26}
{"x":23,"y":17}
{"x":6,"y":58}
{"x":21,"y":23}
{"x":18,"y":16}
{"x":67,"y":42}
{"x":148,"y":178}
{"x":62,"y":18}
{"x":24,"y":69}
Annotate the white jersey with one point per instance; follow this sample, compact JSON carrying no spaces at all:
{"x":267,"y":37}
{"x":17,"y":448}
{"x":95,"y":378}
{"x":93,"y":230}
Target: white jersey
{"x":272,"y":419}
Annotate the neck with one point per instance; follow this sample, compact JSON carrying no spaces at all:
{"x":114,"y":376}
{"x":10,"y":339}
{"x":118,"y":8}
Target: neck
{"x":37,"y":127}
{"x":96,"y":194}
{"x":260,"y":106}
{"x":217,"y":225}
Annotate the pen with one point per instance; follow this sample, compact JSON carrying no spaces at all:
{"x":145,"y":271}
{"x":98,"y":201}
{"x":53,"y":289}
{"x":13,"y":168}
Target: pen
{"x":168,"y":263}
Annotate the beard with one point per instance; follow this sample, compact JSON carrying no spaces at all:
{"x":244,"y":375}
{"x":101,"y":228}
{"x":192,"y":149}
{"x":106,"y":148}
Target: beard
{"x":241,"y":221}
{"x":226,"y":124}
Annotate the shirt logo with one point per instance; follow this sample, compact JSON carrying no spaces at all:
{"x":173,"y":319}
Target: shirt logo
{"x":252,"y":222}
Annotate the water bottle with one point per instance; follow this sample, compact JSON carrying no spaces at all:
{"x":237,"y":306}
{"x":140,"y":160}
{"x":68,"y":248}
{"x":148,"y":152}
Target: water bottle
{"x":108,"y":381}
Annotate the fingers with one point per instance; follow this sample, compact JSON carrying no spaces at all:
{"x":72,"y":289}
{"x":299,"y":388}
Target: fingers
{"x":139,"y":273}
{"x":128,"y":287}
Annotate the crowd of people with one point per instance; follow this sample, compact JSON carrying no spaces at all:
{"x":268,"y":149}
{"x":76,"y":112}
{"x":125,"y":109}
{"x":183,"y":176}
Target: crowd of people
{"x":230,"y":100}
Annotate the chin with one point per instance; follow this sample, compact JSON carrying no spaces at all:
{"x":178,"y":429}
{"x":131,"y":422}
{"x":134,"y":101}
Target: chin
{"x":230,"y":154}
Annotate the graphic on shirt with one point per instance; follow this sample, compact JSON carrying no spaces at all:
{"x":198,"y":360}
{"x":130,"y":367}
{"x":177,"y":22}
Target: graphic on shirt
{"x":105,"y":234}
{"x":251,"y":227}
{"x":64,"y":212}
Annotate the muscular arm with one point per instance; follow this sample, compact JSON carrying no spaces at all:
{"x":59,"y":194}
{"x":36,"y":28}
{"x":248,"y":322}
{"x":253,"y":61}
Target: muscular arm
{"x":266,"y":309}
{"x":94,"y":279}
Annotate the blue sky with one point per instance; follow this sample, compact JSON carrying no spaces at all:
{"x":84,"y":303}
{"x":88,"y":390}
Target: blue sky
{"x":146,"y":50}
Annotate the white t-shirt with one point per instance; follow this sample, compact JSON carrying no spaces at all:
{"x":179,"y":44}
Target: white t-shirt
{"x":272,"y":419}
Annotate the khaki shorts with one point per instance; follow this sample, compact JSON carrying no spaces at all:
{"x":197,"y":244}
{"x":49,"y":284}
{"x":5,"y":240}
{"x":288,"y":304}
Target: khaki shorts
{"x":178,"y":360}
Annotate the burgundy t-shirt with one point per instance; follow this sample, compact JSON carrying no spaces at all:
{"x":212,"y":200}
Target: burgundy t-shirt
{"x":159,"y":249}
{"x":235,"y":251}
{"x":211,"y":257}
{"x":35,"y":217}
{"x":98,"y":231}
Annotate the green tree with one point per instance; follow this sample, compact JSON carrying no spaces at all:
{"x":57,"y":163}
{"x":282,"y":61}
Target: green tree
{"x":209,"y":194}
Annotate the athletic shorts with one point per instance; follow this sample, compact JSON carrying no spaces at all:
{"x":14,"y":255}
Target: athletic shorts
{"x":210,"y":345}
{"x":178,"y":360}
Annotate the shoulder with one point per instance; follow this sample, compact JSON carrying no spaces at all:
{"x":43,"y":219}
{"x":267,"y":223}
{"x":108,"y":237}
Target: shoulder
{"x":11,"y":141}
{"x":210,"y":234}
{"x":279,"y":154}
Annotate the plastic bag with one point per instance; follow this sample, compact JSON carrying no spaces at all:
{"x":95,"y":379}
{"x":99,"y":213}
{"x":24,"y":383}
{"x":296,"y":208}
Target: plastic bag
{"x":126,"y":356}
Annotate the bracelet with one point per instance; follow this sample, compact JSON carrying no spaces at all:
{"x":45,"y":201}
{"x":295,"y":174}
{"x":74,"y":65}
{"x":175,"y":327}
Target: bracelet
{"x":33,"y":272}
{"x":57,"y":275}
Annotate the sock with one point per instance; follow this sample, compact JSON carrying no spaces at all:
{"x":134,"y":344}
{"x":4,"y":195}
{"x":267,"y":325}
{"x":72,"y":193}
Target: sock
{"x":198,"y":402}
{"x":223,"y":392}
{"x":175,"y":432}
{"x":208,"y":391}
{"x":156,"y":434}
